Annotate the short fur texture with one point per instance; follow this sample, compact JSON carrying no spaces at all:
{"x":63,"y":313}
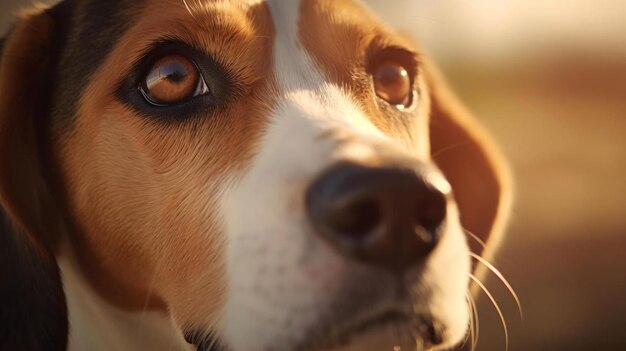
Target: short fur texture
{"x":195,"y":227}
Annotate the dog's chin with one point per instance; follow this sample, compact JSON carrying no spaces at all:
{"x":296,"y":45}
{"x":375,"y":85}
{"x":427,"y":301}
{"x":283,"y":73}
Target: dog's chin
{"x":392,"y":331}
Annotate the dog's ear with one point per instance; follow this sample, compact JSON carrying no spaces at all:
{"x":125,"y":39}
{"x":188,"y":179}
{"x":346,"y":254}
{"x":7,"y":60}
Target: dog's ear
{"x":33,"y":313}
{"x":471,"y":162}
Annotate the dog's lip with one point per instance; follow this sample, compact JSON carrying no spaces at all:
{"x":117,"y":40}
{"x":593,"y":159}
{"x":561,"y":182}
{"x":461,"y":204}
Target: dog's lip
{"x":426,"y":331}
{"x":421,"y":325}
{"x":360,"y":325}
{"x":338,"y":336}
{"x":367,"y":324}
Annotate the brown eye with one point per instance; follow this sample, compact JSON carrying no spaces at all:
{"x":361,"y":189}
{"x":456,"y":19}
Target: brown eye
{"x":392,"y":83}
{"x":171,"y":80}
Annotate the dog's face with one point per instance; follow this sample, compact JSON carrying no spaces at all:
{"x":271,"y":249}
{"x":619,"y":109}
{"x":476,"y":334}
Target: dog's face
{"x":261,"y":171}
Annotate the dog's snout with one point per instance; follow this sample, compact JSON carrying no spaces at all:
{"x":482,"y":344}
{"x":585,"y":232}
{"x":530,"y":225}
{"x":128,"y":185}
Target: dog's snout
{"x":386,"y":216}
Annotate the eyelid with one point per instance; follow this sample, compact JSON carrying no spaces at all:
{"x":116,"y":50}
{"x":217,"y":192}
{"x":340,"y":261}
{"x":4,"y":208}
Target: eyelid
{"x":217,"y":88}
{"x":409,"y":59}
{"x":161,"y":48}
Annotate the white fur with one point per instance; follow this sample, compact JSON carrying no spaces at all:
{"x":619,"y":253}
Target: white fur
{"x":96,"y":325}
{"x":279,"y":275}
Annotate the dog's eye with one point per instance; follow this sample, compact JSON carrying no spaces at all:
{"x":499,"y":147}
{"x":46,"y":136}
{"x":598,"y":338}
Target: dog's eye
{"x":171,"y":80}
{"x":392,"y":83}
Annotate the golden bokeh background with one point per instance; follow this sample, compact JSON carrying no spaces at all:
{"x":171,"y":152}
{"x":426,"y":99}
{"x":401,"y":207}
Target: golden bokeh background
{"x":548,"y":79}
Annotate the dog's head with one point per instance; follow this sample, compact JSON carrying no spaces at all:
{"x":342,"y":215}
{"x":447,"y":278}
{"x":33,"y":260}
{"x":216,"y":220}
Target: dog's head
{"x":278,"y":175}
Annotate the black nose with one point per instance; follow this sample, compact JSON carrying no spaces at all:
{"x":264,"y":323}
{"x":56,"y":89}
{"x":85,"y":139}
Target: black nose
{"x":387,"y":216}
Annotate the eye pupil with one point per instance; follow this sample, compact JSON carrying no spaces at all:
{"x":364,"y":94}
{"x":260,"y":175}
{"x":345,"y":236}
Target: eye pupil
{"x":392,"y":83}
{"x":175,"y":72}
{"x":171,"y":80}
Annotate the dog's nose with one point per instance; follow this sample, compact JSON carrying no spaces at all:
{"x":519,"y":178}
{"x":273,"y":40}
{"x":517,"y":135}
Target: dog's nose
{"x":386,"y":216}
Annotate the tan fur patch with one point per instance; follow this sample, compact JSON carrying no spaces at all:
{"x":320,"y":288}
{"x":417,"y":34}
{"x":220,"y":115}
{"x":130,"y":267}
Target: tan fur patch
{"x":465,"y":153}
{"x":357,"y":35}
{"x":142,"y":193}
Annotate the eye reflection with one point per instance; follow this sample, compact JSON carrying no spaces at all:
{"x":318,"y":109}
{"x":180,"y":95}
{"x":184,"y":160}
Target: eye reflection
{"x":392,"y":83}
{"x":171,"y":80}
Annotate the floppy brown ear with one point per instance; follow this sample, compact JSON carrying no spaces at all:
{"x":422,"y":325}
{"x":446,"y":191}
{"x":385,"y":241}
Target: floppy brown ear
{"x":471,"y":162}
{"x":33,"y":312}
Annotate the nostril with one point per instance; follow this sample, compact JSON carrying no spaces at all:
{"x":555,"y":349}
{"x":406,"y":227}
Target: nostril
{"x":355,"y":219}
{"x":387,"y":216}
{"x":432,"y":211}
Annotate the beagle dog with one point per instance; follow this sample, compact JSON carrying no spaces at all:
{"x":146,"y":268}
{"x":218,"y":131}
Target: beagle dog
{"x":245,"y":175}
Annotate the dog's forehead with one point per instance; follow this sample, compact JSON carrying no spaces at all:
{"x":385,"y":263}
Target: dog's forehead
{"x":289,"y":45}
{"x":326,"y":38}
{"x":89,"y":29}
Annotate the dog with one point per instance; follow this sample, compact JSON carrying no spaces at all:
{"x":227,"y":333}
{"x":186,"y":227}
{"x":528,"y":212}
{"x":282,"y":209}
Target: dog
{"x":247,"y":175}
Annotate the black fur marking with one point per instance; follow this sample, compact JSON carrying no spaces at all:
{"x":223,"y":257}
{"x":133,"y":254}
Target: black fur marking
{"x":220,"y":84}
{"x":33,"y":314}
{"x":33,"y":311}
{"x":88,"y":31}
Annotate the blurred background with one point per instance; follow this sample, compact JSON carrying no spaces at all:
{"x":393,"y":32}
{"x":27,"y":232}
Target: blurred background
{"x":548,"y":79}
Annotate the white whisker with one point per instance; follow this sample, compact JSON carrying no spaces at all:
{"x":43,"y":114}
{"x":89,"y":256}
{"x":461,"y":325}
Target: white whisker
{"x":476,"y":322}
{"x":448,"y":148}
{"x":188,"y":8}
{"x":506,"y":283}
{"x":146,"y":301}
{"x":476,"y":238}
{"x":497,"y":308}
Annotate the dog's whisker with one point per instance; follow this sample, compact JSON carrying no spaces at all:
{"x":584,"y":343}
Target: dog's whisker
{"x":448,"y":148}
{"x":476,"y":324}
{"x":497,"y":308}
{"x":475,"y":320}
{"x":495,"y":271}
{"x":146,"y":301}
{"x":476,"y":238}
{"x":471,"y":334}
{"x":504,"y":281}
{"x":188,"y":8}
{"x":470,"y":331}
{"x":173,"y":343}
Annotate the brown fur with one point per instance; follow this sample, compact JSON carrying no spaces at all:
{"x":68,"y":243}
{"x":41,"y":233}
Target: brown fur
{"x":153,"y":232}
{"x":357,"y":35}
{"x":465,"y":153}
{"x":140,"y":196}
{"x":24,"y":192}
{"x":471,"y":162}
{"x":33,"y":316}
{"x":139,"y":193}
